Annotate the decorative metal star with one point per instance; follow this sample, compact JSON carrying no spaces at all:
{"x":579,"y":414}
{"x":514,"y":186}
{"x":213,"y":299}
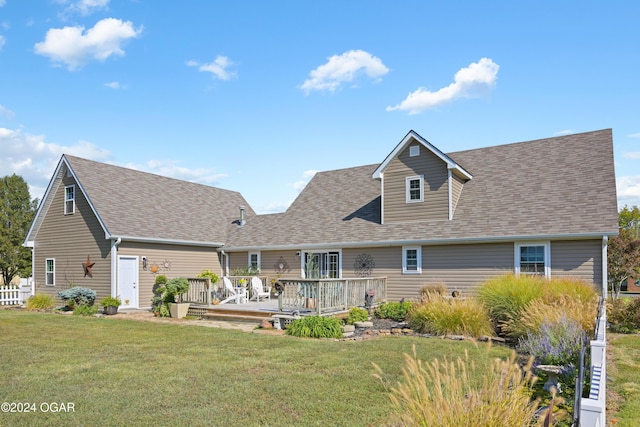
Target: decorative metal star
{"x":87,"y":267}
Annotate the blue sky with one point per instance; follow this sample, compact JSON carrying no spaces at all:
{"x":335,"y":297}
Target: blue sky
{"x":255,"y":96}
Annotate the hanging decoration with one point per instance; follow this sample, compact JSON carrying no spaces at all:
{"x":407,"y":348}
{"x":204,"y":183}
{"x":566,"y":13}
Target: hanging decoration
{"x":88,"y":265}
{"x":281,"y":266}
{"x":363,"y":265}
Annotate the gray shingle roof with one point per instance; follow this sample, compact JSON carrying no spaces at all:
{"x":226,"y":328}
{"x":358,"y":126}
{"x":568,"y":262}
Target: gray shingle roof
{"x":143,"y":205}
{"x":562,"y":186}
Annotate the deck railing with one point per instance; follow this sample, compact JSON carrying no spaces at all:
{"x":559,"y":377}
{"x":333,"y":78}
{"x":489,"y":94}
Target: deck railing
{"x":592,"y":411}
{"x":203,"y":292}
{"x":322,"y":295}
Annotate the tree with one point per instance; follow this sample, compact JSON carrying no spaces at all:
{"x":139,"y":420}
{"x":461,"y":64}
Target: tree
{"x":17,"y":211}
{"x":623,"y":253}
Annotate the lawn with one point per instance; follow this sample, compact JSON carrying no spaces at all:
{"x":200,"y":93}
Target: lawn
{"x":122,"y":372}
{"x":623,"y":380}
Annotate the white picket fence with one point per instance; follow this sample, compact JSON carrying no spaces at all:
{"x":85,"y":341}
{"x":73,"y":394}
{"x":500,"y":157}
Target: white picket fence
{"x":14,"y":295}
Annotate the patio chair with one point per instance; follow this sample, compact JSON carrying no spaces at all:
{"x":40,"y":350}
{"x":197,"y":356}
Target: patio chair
{"x":258,"y":289}
{"x":234,"y":295}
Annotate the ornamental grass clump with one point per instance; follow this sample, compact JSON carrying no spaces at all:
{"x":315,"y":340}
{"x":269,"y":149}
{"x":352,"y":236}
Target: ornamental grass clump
{"x":552,"y":310}
{"x":557,"y":343}
{"x":507,"y":296}
{"x":40,"y":302}
{"x":453,"y":316}
{"x":315,"y":327}
{"x":443,"y":394}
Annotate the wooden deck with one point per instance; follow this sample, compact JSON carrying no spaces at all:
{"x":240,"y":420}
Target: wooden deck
{"x":327,"y":297}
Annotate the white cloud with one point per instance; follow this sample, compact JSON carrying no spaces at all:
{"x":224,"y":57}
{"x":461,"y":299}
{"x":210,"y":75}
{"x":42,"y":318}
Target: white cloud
{"x":87,"y":7}
{"x":306,"y":177}
{"x":468,"y":82}
{"x":634,"y":135}
{"x":2,"y":3}
{"x":35,"y":159}
{"x":219,"y":67}
{"x":74,"y":46}
{"x":564,"y":132}
{"x":628,"y":189}
{"x":3,"y":41}
{"x":171,"y":168}
{"x":6,"y":112}
{"x":632,"y":155}
{"x":341,"y":69}
{"x":115,"y":85}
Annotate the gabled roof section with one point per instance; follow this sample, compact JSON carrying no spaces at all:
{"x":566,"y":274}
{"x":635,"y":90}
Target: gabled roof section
{"x":412,"y":137}
{"x":140,"y":206}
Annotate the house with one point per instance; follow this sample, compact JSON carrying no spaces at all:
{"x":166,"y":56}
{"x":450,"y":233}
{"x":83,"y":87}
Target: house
{"x":420,"y":216}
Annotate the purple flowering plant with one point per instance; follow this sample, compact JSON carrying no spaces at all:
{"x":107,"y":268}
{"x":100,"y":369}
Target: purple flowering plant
{"x":557,"y":343}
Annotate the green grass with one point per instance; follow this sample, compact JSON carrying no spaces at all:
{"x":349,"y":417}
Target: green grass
{"x":120,"y":372}
{"x":624,"y":380}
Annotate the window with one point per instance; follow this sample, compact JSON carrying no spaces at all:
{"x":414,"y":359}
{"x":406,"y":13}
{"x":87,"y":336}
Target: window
{"x":533,"y":258}
{"x":415,"y":189}
{"x":412,"y":260}
{"x":414,"y":151}
{"x":254,"y":262}
{"x":69,"y":199}
{"x":321,"y":265}
{"x":50,"y":272}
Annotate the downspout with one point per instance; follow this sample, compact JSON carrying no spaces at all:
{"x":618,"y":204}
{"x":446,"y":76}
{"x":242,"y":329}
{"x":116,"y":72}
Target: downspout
{"x":225,"y":265}
{"x":114,"y":265}
{"x":605,"y":268}
{"x":449,"y":183}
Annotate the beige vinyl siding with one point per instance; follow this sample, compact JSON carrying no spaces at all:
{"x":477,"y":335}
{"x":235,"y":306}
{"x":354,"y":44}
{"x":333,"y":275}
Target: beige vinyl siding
{"x":436,"y":196}
{"x":456,"y":191}
{"x":182,"y":261}
{"x":238,"y":260}
{"x":578,"y":258}
{"x":69,"y":239}
{"x":458,"y":267}
{"x":271,"y":259}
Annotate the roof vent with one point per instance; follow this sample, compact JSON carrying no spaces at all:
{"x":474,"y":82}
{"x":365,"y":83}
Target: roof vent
{"x":242,"y":220}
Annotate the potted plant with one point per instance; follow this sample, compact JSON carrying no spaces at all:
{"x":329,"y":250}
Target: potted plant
{"x":171,"y":296}
{"x":213,"y":281}
{"x":110,"y":304}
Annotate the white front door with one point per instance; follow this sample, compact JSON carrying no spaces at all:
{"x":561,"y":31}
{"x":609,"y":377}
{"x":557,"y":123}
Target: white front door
{"x":128,"y":281}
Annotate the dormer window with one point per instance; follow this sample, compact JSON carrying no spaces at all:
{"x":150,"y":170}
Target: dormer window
{"x":69,"y":199}
{"x":415,"y":189}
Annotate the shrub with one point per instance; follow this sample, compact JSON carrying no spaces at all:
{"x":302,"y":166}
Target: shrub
{"x":208,"y":274}
{"x":506,"y":296}
{"x":552,"y":310}
{"x":316,"y":327}
{"x":571,"y":287}
{"x":161,"y":279}
{"x":457,"y":316}
{"x":443,"y":394}
{"x":557,"y":343}
{"x":623,"y":315}
{"x":394,"y":310}
{"x":79,"y":296}
{"x":85,"y":310}
{"x":427,"y":292}
{"x":357,"y":314}
{"x":40,"y":302}
{"x":110,"y":301}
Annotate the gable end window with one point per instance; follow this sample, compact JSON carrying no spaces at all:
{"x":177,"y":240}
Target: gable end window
{"x":50,"y":272}
{"x":533,"y":258}
{"x":415,"y":189}
{"x":411,"y":260}
{"x":414,"y":151}
{"x":69,"y":199}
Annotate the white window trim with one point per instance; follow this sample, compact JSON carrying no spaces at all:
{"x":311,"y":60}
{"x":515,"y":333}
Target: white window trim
{"x":303,"y":255}
{"x":408,"y":188}
{"x":46,"y":272}
{"x":418,"y":250}
{"x":73,"y":209}
{"x":414,"y":150}
{"x":258,"y":259}
{"x":547,"y":255}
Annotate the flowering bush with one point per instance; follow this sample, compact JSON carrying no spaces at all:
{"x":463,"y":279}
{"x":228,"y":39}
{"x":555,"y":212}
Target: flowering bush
{"x":557,"y":343}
